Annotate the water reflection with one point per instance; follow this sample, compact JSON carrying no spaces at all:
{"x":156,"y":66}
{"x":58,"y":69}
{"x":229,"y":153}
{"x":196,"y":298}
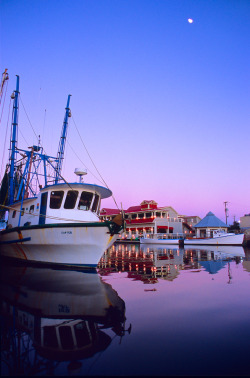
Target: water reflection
{"x":150,"y":263}
{"x":55,"y":315}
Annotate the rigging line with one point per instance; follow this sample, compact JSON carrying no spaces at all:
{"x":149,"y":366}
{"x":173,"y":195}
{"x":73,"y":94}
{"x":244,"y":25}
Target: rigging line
{"x":83,"y":163}
{"x":66,"y":182}
{"x":38,"y":141}
{"x":93,"y":161}
{"x":28,"y":118}
{"x":23,"y":136}
{"x":43,"y":148}
{"x":88,"y":152}
{"x":6,"y":131}
{"x":3,"y":101}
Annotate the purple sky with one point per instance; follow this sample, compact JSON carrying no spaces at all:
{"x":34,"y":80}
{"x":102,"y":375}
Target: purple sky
{"x":162,"y":105}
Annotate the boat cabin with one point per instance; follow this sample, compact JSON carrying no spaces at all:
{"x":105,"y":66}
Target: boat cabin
{"x":209,"y":226}
{"x":61,"y":203}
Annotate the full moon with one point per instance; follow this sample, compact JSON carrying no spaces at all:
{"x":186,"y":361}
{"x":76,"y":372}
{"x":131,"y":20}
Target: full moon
{"x":190,"y":20}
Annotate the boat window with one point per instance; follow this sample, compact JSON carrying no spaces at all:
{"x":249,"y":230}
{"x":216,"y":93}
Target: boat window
{"x":71,"y":198}
{"x":32,"y":207}
{"x":85,"y":201}
{"x":22,"y":212}
{"x":95,"y":203}
{"x":82,"y":334}
{"x":14,"y":214}
{"x":67,"y":341}
{"x":49,"y":337}
{"x":56,"y":199}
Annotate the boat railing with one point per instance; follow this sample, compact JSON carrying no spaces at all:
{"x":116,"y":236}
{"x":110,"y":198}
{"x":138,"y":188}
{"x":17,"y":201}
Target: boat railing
{"x":161,"y":236}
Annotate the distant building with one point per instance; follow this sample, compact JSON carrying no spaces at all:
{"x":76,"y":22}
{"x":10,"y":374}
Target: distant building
{"x":208,"y":225}
{"x":188,"y":223}
{"x":245,"y":222}
{"x":147,"y":218}
{"x":191,"y":220}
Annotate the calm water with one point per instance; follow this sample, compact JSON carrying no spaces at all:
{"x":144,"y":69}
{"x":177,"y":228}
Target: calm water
{"x":146,"y":311}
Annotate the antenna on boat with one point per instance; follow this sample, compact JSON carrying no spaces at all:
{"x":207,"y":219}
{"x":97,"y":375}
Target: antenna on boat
{"x":226,"y":210}
{"x":80,"y":172}
{"x":61,"y":148}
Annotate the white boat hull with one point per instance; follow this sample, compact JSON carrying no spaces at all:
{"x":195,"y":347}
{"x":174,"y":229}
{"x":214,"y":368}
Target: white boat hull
{"x":160,"y":241}
{"x":67,"y":245}
{"x":236,"y":239}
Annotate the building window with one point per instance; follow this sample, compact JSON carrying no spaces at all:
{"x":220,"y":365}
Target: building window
{"x":56,"y":199}
{"x":71,"y":198}
{"x":134,"y":216}
{"x":85,"y":201}
{"x":148,"y":215}
{"x":141,"y":215}
{"x":158,"y":214}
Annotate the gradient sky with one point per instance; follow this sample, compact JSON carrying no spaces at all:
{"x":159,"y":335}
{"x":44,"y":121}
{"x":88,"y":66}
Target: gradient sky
{"x":162,"y":105}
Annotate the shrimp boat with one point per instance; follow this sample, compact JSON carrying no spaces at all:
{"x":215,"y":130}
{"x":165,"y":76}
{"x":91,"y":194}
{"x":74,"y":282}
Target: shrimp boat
{"x":58,"y":223}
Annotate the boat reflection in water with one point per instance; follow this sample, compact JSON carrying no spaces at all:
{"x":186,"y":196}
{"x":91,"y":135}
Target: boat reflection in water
{"x":151,"y":263}
{"x":58,"y":315}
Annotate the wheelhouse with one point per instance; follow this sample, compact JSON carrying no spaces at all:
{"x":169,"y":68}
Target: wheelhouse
{"x":61,"y":203}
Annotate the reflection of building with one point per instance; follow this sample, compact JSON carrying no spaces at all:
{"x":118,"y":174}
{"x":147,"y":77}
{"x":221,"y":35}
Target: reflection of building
{"x":207,"y":225}
{"x":62,"y":315}
{"x":144,"y":263}
{"x":149,"y":263}
{"x":147,"y":218}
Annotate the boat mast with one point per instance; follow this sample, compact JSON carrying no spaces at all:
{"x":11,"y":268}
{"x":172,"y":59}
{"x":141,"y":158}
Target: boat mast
{"x":13,"y":141}
{"x":5,"y":77}
{"x":61,"y":148}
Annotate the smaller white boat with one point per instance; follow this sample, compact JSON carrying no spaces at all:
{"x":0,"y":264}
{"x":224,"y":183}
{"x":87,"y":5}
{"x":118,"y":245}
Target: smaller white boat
{"x":220,"y":250}
{"x":163,"y":239}
{"x":220,"y":237}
